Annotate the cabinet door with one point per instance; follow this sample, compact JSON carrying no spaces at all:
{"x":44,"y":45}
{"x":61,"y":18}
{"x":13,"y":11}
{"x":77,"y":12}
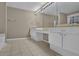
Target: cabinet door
{"x":71,"y":42}
{"x":55,"y":39}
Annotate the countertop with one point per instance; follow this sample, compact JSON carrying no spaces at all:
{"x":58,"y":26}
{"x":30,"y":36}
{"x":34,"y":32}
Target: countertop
{"x":67,"y":25}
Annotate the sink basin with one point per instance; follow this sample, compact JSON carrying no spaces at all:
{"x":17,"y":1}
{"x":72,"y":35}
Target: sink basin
{"x":45,"y":29}
{"x":39,"y":28}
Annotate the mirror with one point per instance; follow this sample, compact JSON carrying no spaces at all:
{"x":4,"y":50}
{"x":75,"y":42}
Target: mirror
{"x":63,"y":13}
{"x":68,"y":12}
{"x":53,"y":13}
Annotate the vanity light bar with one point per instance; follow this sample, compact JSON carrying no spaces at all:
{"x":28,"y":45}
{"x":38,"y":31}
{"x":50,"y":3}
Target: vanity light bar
{"x":43,"y":7}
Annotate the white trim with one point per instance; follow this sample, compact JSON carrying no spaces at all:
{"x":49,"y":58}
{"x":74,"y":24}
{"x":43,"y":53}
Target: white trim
{"x":62,"y":51}
{"x":17,"y":39}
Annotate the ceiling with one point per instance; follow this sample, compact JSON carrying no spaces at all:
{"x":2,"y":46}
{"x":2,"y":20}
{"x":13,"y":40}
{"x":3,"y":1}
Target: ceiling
{"x":31,"y":6}
{"x":62,"y":7}
{"x":58,"y":7}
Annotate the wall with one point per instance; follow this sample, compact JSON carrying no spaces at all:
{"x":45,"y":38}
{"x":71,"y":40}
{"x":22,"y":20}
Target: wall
{"x":62,"y":18}
{"x":2,"y":17}
{"x":48,"y":20}
{"x":19,"y":22}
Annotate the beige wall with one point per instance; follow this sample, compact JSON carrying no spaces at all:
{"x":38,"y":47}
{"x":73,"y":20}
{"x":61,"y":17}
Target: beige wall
{"x":48,"y":20}
{"x":62,"y":18}
{"x":2,"y":17}
{"x":19,"y":22}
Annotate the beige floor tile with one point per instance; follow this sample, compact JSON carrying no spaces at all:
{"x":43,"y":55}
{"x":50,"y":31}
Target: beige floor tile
{"x":27,"y":47}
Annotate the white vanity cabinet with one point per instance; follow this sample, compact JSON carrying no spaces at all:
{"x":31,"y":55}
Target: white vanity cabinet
{"x":65,"y":40}
{"x":35,"y":34}
{"x":71,"y":40}
{"x":55,"y":38}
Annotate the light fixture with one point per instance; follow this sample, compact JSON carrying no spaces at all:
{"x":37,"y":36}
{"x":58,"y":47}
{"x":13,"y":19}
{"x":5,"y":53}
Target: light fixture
{"x":43,"y":7}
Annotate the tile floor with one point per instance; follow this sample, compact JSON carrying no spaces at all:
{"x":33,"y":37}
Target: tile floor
{"x":27,"y":47}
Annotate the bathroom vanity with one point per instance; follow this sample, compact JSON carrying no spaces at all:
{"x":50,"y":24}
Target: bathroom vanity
{"x":64,"y":40}
{"x":38,"y":33}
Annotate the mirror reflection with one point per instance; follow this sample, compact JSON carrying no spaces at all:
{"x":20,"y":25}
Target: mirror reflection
{"x":64,"y":12}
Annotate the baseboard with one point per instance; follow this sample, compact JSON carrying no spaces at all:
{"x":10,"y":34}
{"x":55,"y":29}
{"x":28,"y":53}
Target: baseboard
{"x":16,"y":38}
{"x":62,"y":51}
